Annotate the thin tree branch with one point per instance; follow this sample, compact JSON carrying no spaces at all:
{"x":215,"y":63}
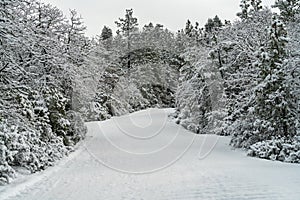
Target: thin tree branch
{"x":3,"y":67}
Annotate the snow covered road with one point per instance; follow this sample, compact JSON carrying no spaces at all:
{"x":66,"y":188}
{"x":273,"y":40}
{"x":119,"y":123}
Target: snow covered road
{"x":146,"y":156}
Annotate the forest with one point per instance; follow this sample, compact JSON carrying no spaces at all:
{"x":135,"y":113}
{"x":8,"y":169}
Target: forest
{"x":238,"y":79}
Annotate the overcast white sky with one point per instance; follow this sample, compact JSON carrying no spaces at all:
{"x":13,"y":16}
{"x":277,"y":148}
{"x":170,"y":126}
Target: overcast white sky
{"x":173,"y":14}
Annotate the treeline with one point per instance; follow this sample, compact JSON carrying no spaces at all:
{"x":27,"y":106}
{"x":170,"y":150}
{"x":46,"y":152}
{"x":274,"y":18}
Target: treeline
{"x":242,"y":79}
{"x":141,"y":68}
{"x":41,"y":52}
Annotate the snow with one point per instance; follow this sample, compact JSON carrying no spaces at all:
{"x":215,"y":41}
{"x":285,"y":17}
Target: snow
{"x":145,"y":155}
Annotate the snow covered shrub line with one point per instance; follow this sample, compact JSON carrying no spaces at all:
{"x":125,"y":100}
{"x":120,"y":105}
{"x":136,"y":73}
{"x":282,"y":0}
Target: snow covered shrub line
{"x":281,"y":149}
{"x":26,"y":149}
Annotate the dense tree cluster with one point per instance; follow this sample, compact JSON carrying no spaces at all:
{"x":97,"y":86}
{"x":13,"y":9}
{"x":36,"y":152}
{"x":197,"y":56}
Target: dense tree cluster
{"x":40,"y":53}
{"x":257,"y":62}
{"x":240,"y":79}
{"x":140,"y":71}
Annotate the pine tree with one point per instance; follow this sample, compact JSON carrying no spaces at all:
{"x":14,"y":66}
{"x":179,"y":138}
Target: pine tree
{"x":288,"y":9}
{"x":106,"y":33}
{"x":209,"y":26}
{"x":256,"y":5}
{"x":148,"y":27}
{"x":213,"y":25}
{"x":275,"y":105}
{"x":217,"y":22}
{"x":244,"y":5}
{"x":126,"y":26}
{"x":249,"y":8}
{"x":188,"y":28}
{"x":293,"y":28}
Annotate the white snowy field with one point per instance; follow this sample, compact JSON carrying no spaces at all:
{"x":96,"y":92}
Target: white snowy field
{"x":146,"y":156}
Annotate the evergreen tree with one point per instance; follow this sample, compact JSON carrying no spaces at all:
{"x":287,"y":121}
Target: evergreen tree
{"x":148,"y":27}
{"x":106,"y":37}
{"x":213,"y":25}
{"x":244,"y":5}
{"x":237,"y":54}
{"x":188,"y":28}
{"x":256,"y":5}
{"x":126,"y":26}
{"x":275,"y":104}
{"x":217,"y":22}
{"x":106,"y":33}
{"x":249,"y":8}
{"x":294,"y":58}
{"x":209,"y":26}
{"x":288,"y":9}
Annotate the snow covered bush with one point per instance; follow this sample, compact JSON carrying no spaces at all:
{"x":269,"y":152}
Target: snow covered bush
{"x":24,"y":147}
{"x":246,"y":132}
{"x":76,"y":128}
{"x":6,"y":171}
{"x":44,"y":133}
{"x":281,"y":149}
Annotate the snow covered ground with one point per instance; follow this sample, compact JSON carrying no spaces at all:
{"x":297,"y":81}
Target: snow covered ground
{"x":146,"y":156}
